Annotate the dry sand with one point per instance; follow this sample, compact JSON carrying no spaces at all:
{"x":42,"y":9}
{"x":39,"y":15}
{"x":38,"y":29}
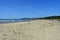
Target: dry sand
{"x":33,"y":30}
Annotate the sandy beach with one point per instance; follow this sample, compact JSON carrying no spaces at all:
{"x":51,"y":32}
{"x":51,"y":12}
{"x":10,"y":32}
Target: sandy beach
{"x":32,"y":30}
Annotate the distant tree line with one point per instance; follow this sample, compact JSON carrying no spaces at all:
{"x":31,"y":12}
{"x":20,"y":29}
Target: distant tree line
{"x":50,"y":17}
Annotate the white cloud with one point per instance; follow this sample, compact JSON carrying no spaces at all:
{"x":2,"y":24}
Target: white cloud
{"x":27,"y":7}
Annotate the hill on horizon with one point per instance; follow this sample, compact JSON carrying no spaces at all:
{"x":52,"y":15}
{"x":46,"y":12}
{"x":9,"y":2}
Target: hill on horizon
{"x":27,"y":19}
{"x":48,"y":17}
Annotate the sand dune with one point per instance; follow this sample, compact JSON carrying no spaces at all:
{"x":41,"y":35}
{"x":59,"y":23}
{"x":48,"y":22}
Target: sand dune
{"x":33,"y":30}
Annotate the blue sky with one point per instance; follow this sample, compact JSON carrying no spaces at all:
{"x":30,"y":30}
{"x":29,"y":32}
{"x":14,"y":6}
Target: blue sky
{"x":29,"y":8}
